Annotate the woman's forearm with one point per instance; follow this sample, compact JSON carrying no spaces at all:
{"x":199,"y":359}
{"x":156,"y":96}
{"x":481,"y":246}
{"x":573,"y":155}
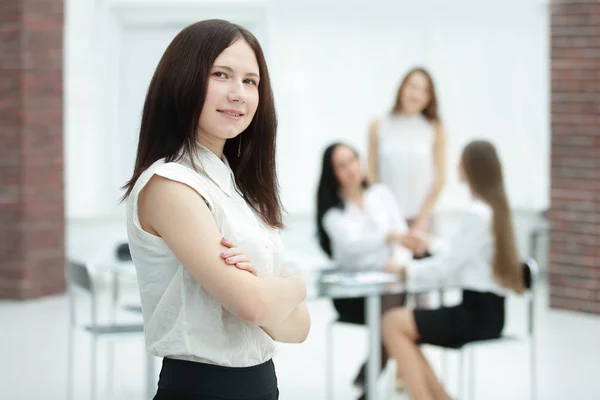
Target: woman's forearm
{"x":277,"y":298}
{"x":439,"y":159}
{"x":294,"y":329}
{"x":430,"y":201}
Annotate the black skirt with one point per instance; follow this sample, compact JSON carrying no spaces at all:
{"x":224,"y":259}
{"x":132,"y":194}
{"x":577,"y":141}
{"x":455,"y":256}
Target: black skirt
{"x":187,"y":380}
{"x":480,"y":316}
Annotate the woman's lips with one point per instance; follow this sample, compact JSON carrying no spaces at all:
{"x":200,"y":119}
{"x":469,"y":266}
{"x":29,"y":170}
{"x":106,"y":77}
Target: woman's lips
{"x":232,"y":114}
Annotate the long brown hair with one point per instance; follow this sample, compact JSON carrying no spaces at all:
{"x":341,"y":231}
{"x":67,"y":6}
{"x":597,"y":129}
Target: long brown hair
{"x":173,"y":104}
{"x":483,"y":169}
{"x":431,"y":111}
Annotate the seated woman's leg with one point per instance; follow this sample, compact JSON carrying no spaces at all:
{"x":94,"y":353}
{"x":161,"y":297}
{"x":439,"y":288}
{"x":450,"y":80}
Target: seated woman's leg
{"x":388,"y":302}
{"x":400,"y":336}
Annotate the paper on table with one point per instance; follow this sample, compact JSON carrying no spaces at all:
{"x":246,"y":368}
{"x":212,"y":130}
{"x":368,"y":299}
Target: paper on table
{"x":359,"y":278}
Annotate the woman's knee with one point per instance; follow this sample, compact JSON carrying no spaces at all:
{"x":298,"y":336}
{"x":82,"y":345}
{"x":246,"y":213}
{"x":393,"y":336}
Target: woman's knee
{"x":400,"y":320}
{"x":394,"y":318}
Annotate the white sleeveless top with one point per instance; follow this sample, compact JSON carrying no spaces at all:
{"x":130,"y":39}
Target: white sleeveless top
{"x":181,"y":319}
{"x":406,"y":159}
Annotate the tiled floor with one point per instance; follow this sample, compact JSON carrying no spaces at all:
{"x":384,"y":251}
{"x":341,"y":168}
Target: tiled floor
{"x":33,"y":347}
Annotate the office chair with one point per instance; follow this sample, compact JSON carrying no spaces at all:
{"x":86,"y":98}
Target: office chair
{"x":530,"y":275}
{"x":80,"y":280}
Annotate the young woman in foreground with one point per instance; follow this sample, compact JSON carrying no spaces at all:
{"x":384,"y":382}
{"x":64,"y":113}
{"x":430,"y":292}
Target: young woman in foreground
{"x":203,"y":220}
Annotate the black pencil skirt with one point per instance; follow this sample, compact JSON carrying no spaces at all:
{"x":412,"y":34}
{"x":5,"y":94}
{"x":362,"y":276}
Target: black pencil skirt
{"x":187,"y":380}
{"x":480,"y":316}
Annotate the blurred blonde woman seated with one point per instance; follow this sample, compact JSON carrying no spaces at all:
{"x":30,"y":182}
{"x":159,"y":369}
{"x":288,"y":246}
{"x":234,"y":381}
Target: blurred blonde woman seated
{"x":481,"y":258}
{"x":360,"y":226}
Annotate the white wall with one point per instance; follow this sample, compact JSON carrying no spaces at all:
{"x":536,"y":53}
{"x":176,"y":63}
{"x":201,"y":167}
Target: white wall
{"x":335,"y":65}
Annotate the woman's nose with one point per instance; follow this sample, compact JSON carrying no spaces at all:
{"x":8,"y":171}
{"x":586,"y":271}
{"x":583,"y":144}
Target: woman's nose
{"x":237,"y":93}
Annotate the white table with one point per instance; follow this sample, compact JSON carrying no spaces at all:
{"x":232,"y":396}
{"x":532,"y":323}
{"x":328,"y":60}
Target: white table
{"x":371,"y":285}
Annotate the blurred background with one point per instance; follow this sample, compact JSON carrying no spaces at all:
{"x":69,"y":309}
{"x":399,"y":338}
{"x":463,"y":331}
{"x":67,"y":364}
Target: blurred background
{"x":524,"y":74}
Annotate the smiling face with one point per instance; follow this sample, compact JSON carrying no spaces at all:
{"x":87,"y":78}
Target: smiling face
{"x":231,"y":95}
{"x":346,"y":167}
{"x":416,"y":93}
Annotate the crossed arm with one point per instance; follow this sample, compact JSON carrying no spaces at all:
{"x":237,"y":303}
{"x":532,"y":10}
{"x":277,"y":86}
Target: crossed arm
{"x":179,"y":215}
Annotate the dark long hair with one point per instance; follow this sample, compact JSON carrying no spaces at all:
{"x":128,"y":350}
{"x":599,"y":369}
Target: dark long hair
{"x":484,"y":173}
{"x":175,"y":99}
{"x":328,"y":194}
{"x":431,"y":111}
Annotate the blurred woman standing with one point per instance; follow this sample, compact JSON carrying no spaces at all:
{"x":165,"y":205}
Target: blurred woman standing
{"x":407,"y":149}
{"x":407,"y":153}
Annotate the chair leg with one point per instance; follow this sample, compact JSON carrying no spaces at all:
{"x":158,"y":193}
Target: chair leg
{"x":93,"y":369}
{"x":329,"y":361}
{"x":471,"y":374}
{"x":70,"y":363}
{"x":150,"y":379}
{"x":444,"y":356}
{"x":113,"y":319}
{"x":533,"y":371}
{"x":461,"y":380}
{"x":110,"y":362}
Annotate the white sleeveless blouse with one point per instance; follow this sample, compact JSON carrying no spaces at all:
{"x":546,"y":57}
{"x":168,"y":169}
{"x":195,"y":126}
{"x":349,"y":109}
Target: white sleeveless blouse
{"x":181,"y":319}
{"x":406,"y":159}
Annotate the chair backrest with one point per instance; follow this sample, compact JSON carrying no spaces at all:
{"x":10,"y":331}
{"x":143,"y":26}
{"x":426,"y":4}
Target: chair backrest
{"x":530,"y":273}
{"x":78,"y":274}
{"x":123,"y":253}
{"x":530,"y":277}
{"x":79,"y":277}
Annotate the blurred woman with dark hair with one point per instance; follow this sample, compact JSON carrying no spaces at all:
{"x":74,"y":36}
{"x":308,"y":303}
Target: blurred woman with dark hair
{"x":481,"y":258}
{"x":360,"y":227}
{"x":203,"y":220}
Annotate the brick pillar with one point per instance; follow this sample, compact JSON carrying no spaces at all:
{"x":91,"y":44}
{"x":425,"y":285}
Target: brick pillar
{"x":31,"y":149}
{"x":575,"y":178}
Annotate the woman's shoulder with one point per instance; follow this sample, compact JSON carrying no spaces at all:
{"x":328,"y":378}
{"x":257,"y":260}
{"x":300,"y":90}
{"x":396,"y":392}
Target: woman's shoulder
{"x":380,"y":190}
{"x":332,"y":212}
{"x":332,"y":216}
{"x":179,"y":168}
{"x":479,"y":213}
{"x":480,"y":207}
{"x":175,"y":171}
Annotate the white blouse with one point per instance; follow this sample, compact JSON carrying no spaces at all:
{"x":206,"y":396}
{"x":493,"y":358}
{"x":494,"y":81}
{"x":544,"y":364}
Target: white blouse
{"x":358,"y":236}
{"x":181,"y":319}
{"x":465,"y":260}
{"x":406,"y":159}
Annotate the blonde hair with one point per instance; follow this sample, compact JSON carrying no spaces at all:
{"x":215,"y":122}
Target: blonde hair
{"x":484,"y":173}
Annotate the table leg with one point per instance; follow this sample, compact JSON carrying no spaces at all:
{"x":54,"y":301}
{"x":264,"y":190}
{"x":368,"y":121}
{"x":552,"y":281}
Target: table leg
{"x":115,"y":296}
{"x":374,"y":364}
{"x":113,"y":320}
{"x":150,"y":378}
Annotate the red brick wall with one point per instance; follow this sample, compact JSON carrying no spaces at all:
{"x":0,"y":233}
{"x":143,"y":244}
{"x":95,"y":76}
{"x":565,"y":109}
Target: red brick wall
{"x":31,"y":149}
{"x":574,"y":269}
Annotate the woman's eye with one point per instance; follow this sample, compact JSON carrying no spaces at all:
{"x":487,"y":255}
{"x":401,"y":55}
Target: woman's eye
{"x":219,"y":74}
{"x":250,"y":82}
